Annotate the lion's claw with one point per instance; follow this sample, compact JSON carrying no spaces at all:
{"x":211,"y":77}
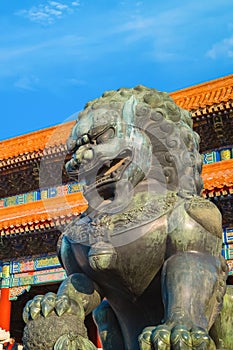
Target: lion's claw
{"x":201,"y":339}
{"x":26,"y":311}
{"x":177,"y":338}
{"x":145,"y":338}
{"x":35,"y":307}
{"x":48,"y":303}
{"x":161,"y":337}
{"x":181,"y":338}
{"x":63,"y":305}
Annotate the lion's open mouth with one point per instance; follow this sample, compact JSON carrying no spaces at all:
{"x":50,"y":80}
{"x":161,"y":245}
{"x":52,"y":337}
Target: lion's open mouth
{"x":111,"y":171}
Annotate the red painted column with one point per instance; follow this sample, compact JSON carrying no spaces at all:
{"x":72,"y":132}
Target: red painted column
{"x":5,"y":309}
{"x":96,"y":338}
{"x":99,"y":344}
{"x":92,"y":331}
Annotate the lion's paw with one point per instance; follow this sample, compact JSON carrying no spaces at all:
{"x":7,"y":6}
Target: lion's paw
{"x":50,"y":303}
{"x":179,"y":337}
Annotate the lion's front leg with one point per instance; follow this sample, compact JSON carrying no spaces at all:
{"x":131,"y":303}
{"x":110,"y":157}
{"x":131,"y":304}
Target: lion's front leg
{"x":56,"y":321}
{"x":193,"y":287}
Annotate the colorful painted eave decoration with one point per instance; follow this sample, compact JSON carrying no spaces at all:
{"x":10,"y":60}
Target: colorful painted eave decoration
{"x":19,"y":275}
{"x":33,"y":196}
{"x":47,"y":213}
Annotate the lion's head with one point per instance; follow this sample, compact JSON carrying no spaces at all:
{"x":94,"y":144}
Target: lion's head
{"x":130,"y":135}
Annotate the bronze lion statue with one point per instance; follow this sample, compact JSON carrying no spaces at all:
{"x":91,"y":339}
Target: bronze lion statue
{"x":145,"y":257}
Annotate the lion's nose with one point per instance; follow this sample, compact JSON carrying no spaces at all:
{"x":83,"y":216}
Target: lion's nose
{"x":88,"y":154}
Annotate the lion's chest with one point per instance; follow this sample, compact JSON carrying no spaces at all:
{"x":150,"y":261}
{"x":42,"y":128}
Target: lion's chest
{"x":124,"y":249}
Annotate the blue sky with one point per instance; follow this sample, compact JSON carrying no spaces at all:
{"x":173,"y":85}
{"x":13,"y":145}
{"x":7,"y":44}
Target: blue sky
{"x":57,"y":55}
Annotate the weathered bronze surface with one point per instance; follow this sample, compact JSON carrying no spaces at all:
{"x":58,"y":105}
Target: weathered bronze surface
{"x":221,"y":331}
{"x":148,"y":243}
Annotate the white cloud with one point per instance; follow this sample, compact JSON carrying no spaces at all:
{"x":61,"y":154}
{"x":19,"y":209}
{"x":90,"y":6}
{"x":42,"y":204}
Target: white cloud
{"x":137,"y":24}
{"x":58,"y":5}
{"x":47,"y":13}
{"x":72,"y":44}
{"x":27,"y":83}
{"x":221,"y":49}
{"x":76,"y":82}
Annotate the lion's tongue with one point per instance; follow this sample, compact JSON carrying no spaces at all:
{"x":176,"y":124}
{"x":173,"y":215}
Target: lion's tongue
{"x":116,"y":166}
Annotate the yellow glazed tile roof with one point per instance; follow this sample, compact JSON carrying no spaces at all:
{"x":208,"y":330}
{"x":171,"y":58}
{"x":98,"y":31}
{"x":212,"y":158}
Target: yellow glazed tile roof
{"x":26,"y":217}
{"x":36,"y":141}
{"x":218,"y":175}
{"x":206,"y":94}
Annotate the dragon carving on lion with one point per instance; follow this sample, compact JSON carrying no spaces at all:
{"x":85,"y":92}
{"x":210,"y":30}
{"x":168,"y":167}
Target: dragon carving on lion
{"x":145,"y":257}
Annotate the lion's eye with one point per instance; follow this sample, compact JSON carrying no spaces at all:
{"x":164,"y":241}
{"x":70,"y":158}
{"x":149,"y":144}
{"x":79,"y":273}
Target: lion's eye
{"x":107,"y":135}
{"x":85,"y":139}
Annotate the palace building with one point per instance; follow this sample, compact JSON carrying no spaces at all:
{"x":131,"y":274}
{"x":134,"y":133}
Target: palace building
{"x":37,"y":199}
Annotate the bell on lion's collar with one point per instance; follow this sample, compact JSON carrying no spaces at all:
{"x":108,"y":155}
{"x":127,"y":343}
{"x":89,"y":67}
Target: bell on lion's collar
{"x":102,"y":256}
